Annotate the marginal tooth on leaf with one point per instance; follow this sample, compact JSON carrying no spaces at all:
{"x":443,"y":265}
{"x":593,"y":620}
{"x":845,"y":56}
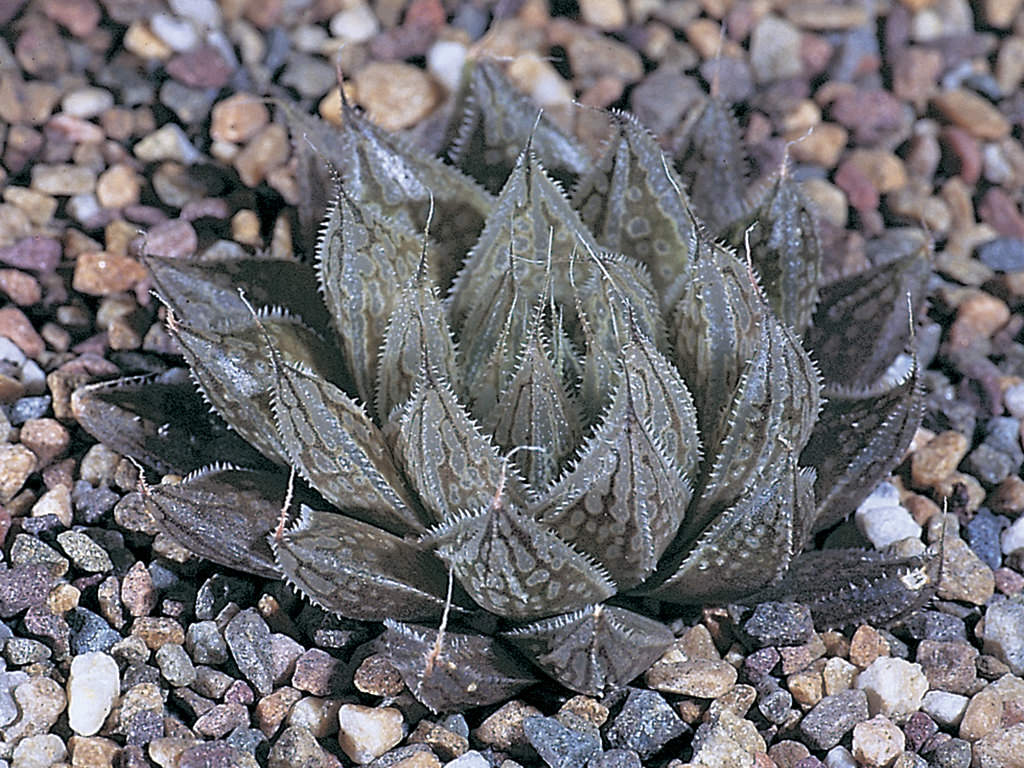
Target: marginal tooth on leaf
{"x":515,"y":567}
{"x":359,"y":571}
{"x":465,"y":670}
{"x":595,"y":650}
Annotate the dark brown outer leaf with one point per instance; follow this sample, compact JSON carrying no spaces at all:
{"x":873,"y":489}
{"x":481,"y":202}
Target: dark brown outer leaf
{"x":594,"y":650}
{"x":716,"y":329}
{"x":223,"y":514}
{"x":517,"y":568}
{"x":747,"y":545}
{"x":161,"y":422}
{"x":634,"y":203}
{"x":535,"y":411}
{"x":712,"y":161}
{"x":859,"y":438}
{"x":846,"y":587}
{"x":623,"y":500}
{"x":465,"y":671}
{"x":357,"y":570}
{"x":451,"y":465}
{"x":205,"y":294}
{"x":339,"y":450}
{"x":382,"y":170}
{"x":417,"y":337}
{"x":365,"y":262}
{"x":233,"y":366}
{"x":492,"y":122}
{"x":863,"y":322}
{"x":786,"y":250}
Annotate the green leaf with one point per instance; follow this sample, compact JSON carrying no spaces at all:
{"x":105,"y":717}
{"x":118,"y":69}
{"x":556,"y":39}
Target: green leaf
{"x":634,"y":203}
{"x":623,"y":500}
{"x":339,"y":450}
{"x":515,"y":567}
{"x":365,"y":262}
{"x":358,"y":571}
{"x":448,"y":461}
{"x":747,"y":545}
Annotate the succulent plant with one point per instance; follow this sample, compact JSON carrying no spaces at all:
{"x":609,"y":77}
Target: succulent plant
{"x":525,"y":424}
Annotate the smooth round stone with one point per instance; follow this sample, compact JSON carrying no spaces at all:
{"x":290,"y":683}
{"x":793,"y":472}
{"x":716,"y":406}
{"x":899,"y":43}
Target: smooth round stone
{"x":883,"y":526}
{"x":39,"y":751}
{"x":366,"y":733}
{"x":355,"y":24}
{"x":177,"y":34}
{"x":93,"y":686}
{"x":946,"y":709}
{"x":87,"y":102}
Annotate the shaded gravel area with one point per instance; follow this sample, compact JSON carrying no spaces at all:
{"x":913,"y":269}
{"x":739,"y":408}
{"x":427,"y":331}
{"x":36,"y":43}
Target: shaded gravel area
{"x":130,"y":126}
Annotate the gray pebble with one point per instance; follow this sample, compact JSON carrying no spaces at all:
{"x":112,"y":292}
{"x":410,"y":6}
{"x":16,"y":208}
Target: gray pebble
{"x":615,"y":758}
{"x":833,"y":717}
{"x":645,"y":724}
{"x":560,"y":746}
{"x":205,"y":643}
{"x":1004,"y":254}
{"x":20,"y":651}
{"x":248,"y":637}
{"x":955,"y":753}
{"x":85,"y":553}
{"x":90,"y":632}
{"x":780,"y":624}
{"x":175,"y":665}
{"x":1004,"y":633}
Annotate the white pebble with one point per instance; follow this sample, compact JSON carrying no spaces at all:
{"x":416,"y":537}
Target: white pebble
{"x":471,"y":759}
{"x":319,"y":715}
{"x":39,"y":752}
{"x":883,"y":526}
{"x":840,"y":757}
{"x":87,"y":102}
{"x":308,"y":38}
{"x":356,"y":24}
{"x":366,"y":733}
{"x":178,"y":34}
{"x":946,"y":709}
{"x":878,"y":742}
{"x":1013,"y":399}
{"x":445,"y":60}
{"x":82,"y":208}
{"x":1013,"y":537}
{"x":895,"y":687}
{"x":167,"y":143}
{"x":885,"y":495}
{"x":93,"y":686}
{"x":206,"y":13}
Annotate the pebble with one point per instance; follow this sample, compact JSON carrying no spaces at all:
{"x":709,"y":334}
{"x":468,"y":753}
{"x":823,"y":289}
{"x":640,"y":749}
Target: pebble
{"x":894,"y":687}
{"x":41,"y":702}
{"x":118,"y":186}
{"x":1003,"y":254}
{"x":779,"y":624}
{"x":833,"y":717}
{"x":645,"y":724}
{"x":727,"y":740}
{"x":90,"y":632}
{"x":936,"y":459}
{"x":46,"y":438}
{"x":271,"y":710}
{"x":1003,"y":635}
{"x":366,"y":733}
{"x":877,"y":742}
{"x":775,"y":50}
{"x":355,"y":24}
{"x":471,"y":759}
{"x":100,"y":273}
{"x":1012,"y":539}
{"x":560,"y":746}
{"x":93,"y":686}
{"x":964,"y":575}
{"x":16,"y":464}
{"x":1003,"y":748}
{"x":63,"y":179}
{"x":177,"y":34}
{"x":56,"y":502}
{"x":156,"y":631}
{"x":317,"y":714}
{"x":318,"y":673}
{"x":267,"y":150}
{"x":973,"y":113}
{"x":175,"y":665}
{"x":248,"y":637}
{"x":137,"y":592}
{"x":19,"y":329}
{"x":503,"y":729}
{"x":377,"y":676}
{"x":84,"y":553}
{"x":296,"y":746}
{"x":604,"y":14}
{"x":394,"y":94}
{"x":167,"y":143}
{"x":238,"y":118}
{"x":703,"y":678}
{"x":445,"y":61}
{"x":946,"y":709}
{"x":172,"y":239}
{"x":39,"y":752}
{"x":38,"y":254}
{"x":87,"y":102}
{"x":949,"y":666}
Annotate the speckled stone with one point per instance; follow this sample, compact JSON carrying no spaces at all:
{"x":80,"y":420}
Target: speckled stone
{"x":833,"y":717}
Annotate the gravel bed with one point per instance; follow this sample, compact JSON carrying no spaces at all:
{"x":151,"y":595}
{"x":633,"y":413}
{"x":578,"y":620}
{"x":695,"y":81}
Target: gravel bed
{"x":129,"y":126}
